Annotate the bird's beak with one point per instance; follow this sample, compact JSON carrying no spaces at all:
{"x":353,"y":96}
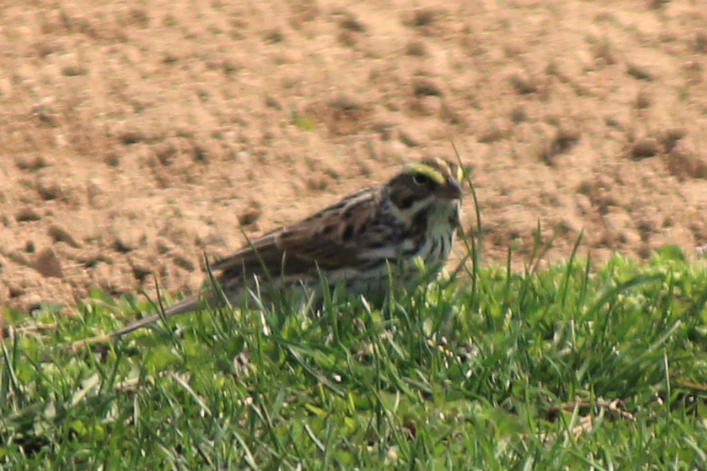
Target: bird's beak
{"x":452,"y":190}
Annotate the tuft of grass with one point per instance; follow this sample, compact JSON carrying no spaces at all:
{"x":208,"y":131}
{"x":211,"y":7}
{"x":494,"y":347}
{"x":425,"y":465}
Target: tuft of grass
{"x":573,"y":367}
{"x":303,"y":124}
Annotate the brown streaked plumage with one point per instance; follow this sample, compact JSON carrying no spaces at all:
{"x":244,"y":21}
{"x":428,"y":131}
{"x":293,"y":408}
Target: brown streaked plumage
{"x":355,"y":242}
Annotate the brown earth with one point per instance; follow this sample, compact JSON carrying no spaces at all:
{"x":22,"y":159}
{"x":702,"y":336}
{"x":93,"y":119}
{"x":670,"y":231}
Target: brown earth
{"x":135,"y":136}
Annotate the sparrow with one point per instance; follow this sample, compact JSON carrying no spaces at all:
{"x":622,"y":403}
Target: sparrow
{"x":368,"y":242}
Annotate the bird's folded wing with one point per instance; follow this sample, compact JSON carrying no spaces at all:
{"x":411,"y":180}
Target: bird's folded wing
{"x":329,"y":240}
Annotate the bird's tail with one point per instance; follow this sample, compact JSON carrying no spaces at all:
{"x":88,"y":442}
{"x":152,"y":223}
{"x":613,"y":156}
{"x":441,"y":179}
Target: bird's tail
{"x":184,"y":306}
{"x":188,"y":304}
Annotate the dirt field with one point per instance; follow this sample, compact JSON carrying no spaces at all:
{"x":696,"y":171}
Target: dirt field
{"x":135,"y":136}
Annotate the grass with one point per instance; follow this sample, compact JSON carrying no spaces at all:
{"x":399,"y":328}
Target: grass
{"x":574,"y":367}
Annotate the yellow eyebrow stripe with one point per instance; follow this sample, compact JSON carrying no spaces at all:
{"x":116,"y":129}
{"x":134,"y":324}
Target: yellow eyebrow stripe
{"x":431,"y":173}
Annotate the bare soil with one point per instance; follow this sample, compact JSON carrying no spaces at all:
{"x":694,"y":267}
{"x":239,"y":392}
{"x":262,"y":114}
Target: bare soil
{"x":137,"y":136}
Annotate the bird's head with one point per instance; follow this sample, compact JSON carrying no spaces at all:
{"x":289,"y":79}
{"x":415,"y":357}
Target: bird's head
{"x":430,"y":185}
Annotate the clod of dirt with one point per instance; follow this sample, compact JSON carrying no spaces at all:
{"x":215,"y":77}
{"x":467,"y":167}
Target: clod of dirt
{"x":203,"y":153}
{"x":700,"y":41}
{"x":426,"y":20}
{"x":693,"y":72}
{"x":345,"y":115}
{"x":90,"y":259}
{"x":188,"y":231}
{"x":273,"y":36}
{"x":272,"y":102}
{"x":127,"y":239}
{"x":182,"y":261}
{"x":96,"y":197}
{"x":450,"y":115}
{"x":249,"y":217}
{"x":137,"y":17}
{"x":644,"y":148}
{"x":303,"y":12}
{"x":74,"y":70}
{"x":351,"y":23}
{"x":349,"y":38}
{"x":523,"y":83}
{"x":48,"y":264}
{"x":112,"y":158}
{"x":416,"y":48}
{"x":140,"y":270}
{"x":407,"y":139}
{"x":61,"y":234}
{"x":644,"y":100}
{"x":685,"y":162}
{"x":670,"y":137}
{"x":31,"y":163}
{"x":426,"y":87}
{"x":46,"y":116}
{"x":164,"y":245}
{"x":134,"y":134}
{"x":495,"y":131}
{"x":114,"y":278}
{"x":584,"y":204}
{"x":639,"y":71}
{"x":426,"y":105}
{"x":27,"y":214}
{"x":19,"y":258}
{"x":385,"y":130}
{"x":518,"y":114}
{"x":166,"y":150}
{"x":603,"y":52}
{"x":559,"y":141}
{"x":599,"y":192}
{"x":316,"y":184}
{"x":49,"y":189}
{"x":15,"y":291}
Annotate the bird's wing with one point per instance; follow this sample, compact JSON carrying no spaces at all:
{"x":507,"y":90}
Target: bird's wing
{"x":329,"y":239}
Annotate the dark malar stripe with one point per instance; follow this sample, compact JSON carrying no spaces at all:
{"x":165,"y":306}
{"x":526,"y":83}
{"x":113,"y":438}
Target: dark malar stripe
{"x":445,"y":246}
{"x":432,"y":255}
{"x":415,"y":249}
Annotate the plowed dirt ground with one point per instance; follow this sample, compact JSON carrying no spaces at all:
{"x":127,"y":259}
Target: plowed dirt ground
{"x":136,"y":136}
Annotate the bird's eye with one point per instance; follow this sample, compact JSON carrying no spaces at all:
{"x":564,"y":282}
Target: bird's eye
{"x":420,"y":178}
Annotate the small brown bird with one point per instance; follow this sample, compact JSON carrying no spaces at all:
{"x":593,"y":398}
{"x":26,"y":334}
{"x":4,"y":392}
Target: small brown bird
{"x":361,"y":242}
